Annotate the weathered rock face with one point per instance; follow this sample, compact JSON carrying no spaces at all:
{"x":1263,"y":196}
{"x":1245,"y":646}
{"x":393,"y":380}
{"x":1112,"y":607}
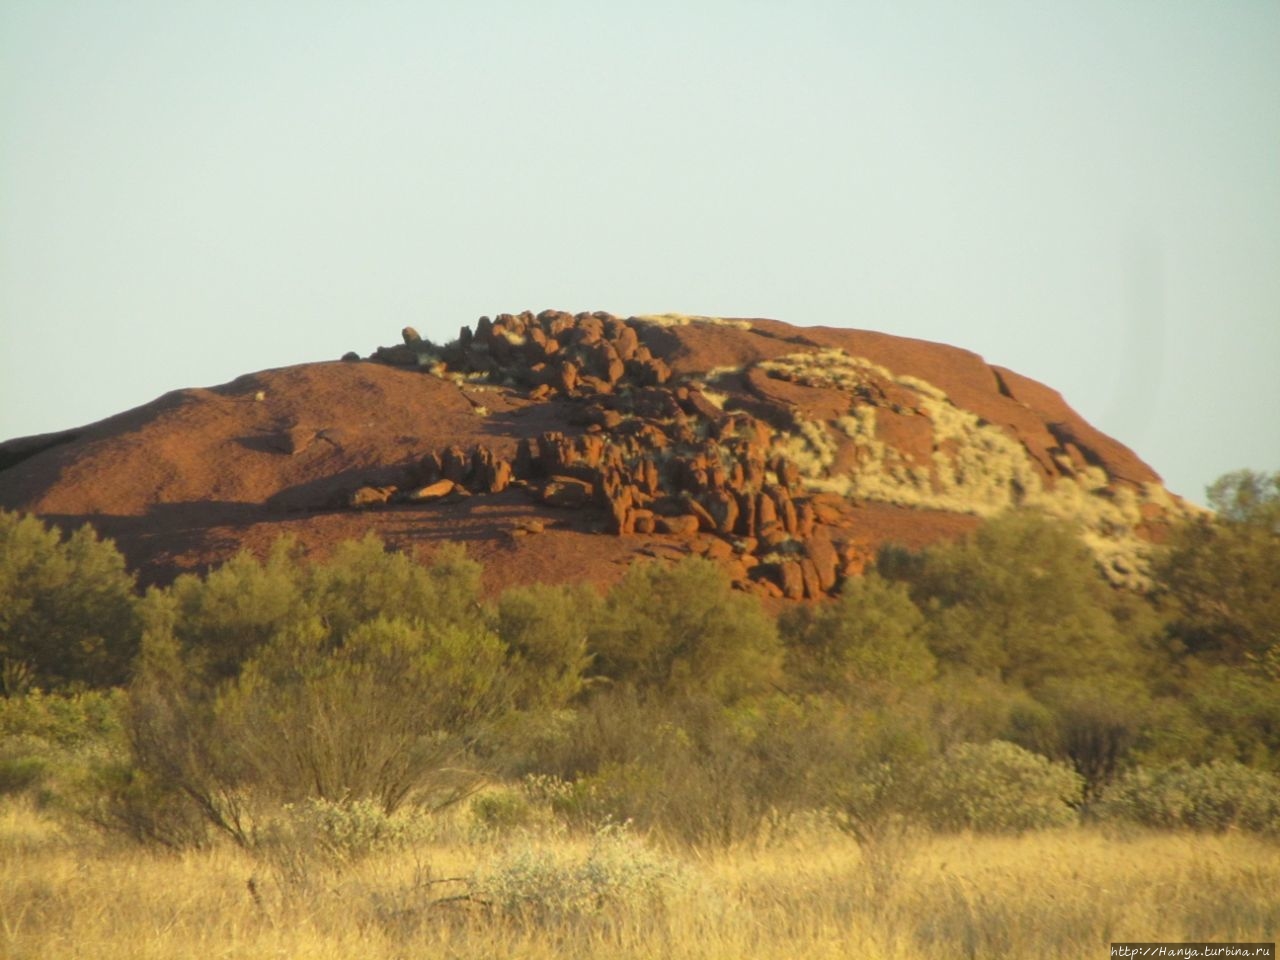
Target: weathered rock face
{"x":745,"y":453}
{"x":786,"y":454}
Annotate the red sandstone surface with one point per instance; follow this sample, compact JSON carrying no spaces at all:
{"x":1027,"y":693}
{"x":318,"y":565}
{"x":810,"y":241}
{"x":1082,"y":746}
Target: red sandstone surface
{"x":556,"y":447}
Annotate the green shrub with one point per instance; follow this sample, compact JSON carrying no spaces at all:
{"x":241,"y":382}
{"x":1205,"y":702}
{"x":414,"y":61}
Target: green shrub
{"x":1220,"y":795}
{"x":681,"y":630}
{"x":345,"y":831}
{"x":501,"y":811}
{"x":64,"y":720}
{"x":217,"y":621}
{"x":1092,"y":725}
{"x":690,"y":770}
{"x":999,"y":787}
{"x":865,"y":765}
{"x":868,"y":643}
{"x":1022,"y":601}
{"x":1238,"y":707}
{"x":49,"y":742}
{"x":123,"y":800}
{"x":363,"y":581}
{"x":365,"y":679}
{"x":67,"y":612}
{"x":20,"y":767}
{"x":1221,"y":574}
{"x":542,"y":883}
{"x":545,"y":629}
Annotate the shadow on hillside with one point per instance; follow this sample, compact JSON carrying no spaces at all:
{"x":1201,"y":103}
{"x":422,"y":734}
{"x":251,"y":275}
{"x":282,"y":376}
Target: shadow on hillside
{"x":531,"y":421}
{"x":329,"y":493}
{"x":159,"y":545}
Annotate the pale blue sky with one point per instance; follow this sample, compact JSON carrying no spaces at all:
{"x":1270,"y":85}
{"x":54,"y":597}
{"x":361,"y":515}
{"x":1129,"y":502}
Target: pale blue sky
{"x":1086,"y":192}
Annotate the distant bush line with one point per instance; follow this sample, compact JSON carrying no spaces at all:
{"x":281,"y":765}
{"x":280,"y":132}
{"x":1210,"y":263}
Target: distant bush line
{"x":995,"y":684}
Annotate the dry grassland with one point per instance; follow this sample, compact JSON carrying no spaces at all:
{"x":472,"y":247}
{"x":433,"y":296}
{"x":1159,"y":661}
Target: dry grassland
{"x":813,"y":894}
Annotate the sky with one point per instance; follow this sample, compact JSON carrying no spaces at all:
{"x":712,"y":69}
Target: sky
{"x":1085,"y":192}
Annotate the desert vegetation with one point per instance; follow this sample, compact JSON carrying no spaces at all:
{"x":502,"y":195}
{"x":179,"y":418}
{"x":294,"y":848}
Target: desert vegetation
{"x":980,"y":749}
{"x":975,"y":466}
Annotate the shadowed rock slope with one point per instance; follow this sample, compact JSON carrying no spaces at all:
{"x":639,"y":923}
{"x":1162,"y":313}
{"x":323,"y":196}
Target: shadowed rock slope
{"x":563,"y":447}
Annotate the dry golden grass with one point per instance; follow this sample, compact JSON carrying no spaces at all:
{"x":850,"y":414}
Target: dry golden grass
{"x":977,"y":467}
{"x":1063,"y":894}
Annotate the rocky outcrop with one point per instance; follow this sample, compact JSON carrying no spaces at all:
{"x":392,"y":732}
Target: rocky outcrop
{"x":744,"y":454}
{"x":788,"y":455}
{"x":653,"y":457}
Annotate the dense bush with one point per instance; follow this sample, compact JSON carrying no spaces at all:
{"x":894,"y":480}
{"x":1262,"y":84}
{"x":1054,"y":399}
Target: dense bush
{"x":1238,"y":710}
{"x":681,"y":629}
{"x":1221,"y":575}
{"x":1220,"y":795}
{"x":343,"y":832}
{"x":1091,"y":724}
{"x":366,"y":678}
{"x":541,"y":884}
{"x":999,"y":787}
{"x":49,"y":742}
{"x":689,"y":769}
{"x":383,"y":717}
{"x":217,"y":621}
{"x":868,"y":644}
{"x":545,"y":629}
{"x":1020,"y":600}
{"x":862,"y":764}
{"x":374,"y":683}
{"x":66,"y":608}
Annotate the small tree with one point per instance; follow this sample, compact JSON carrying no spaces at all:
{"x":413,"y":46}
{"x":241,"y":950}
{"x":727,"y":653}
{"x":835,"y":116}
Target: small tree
{"x":682,"y":630}
{"x":1221,"y":575}
{"x":1220,"y":795}
{"x":368,"y":678}
{"x":999,"y":787}
{"x":867,"y":644}
{"x":219,"y":620}
{"x":386,"y":715}
{"x":67,"y":612}
{"x":1021,"y":600}
{"x":545,"y":629}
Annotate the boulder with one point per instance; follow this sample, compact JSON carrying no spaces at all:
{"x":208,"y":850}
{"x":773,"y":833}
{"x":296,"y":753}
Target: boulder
{"x":786,"y":508}
{"x":489,"y":474}
{"x":642,"y":521}
{"x":826,"y":562}
{"x":370,"y":496}
{"x":706,"y":521}
{"x":791,"y":579}
{"x":683,"y":525}
{"x":651,"y":371}
{"x":787,"y":472}
{"x":625,"y":343}
{"x":525,"y":462}
{"x":566,"y":377}
{"x":723,"y":507}
{"x":718,"y":550}
{"x":766,"y":511}
{"x":746,"y":525}
{"x":561,"y":491}
{"x":400,"y":355}
{"x":428,"y":493}
{"x":806,"y":519}
{"x":620,"y":503}
{"x":697,"y":405}
{"x":809,"y":574}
